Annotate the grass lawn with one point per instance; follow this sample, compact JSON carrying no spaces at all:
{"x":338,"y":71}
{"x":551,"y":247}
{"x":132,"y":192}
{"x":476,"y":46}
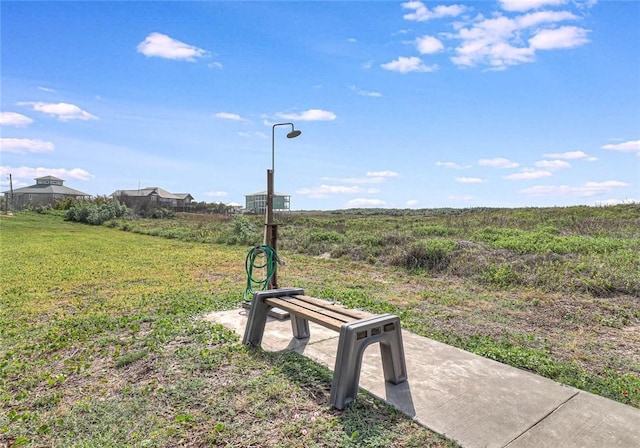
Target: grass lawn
{"x":552,"y":290}
{"x":101,"y":344}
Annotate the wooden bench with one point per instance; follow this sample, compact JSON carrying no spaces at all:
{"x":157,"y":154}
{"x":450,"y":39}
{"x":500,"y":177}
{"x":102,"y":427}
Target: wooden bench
{"x":357,"y":329}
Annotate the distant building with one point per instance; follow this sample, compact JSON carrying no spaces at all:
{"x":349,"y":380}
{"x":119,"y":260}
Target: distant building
{"x":235,"y":207}
{"x":257,"y":202}
{"x":153,"y":197}
{"x":47,"y":191}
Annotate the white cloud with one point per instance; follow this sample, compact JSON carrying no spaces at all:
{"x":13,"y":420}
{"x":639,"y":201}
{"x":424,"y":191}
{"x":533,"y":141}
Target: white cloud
{"x":216,"y":194}
{"x":162,"y":46}
{"x":584,"y":4}
{"x":24,"y":145}
{"x":215,"y":64}
{"x":14,"y":119}
{"x":253,"y":134}
{"x":412,"y":202}
{"x":360,"y":92}
{"x":46,"y":89}
{"x":324,"y":190}
{"x":553,"y":164}
{"x":452,"y":165}
{"x":563,"y":37}
{"x":29,"y":173}
{"x":372,"y":177}
{"x":309,"y":115}
{"x":63,"y":111}
{"x":382,"y":174}
{"x":499,"y":42}
{"x":528,"y":174}
{"x":489,"y":42}
{"x":498,"y":162}
{"x":352,"y":40}
{"x":421,"y":13}
{"x":586,"y":190}
{"x":408,"y":64}
{"x":630,"y":146}
{"x":362,"y":203}
{"x":538,"y":18}
{"x":229,"y":116}
{"x":429,"y":45}
{"x":571,"y":155}
{"x":525,"y":5}
{"x":470,"y":180}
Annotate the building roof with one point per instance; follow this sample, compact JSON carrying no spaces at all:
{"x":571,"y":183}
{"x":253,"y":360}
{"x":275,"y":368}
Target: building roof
{"x":48,"y":189}
{"x":183,"y":195}
{"x":49,"y":178}
{"x":148,"y":191}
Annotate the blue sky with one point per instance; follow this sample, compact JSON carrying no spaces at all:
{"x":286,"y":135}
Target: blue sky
{"x":504,"y":103}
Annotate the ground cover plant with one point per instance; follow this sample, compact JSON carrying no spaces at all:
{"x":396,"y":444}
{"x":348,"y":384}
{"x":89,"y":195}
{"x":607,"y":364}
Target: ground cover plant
{"x":100,"y":327}
{"x":102,"y":344}
{"x":552,"y":290}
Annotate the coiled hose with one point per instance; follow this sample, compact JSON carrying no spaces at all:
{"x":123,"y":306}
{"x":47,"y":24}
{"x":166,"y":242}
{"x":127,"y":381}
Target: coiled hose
{"x":270,"y":263}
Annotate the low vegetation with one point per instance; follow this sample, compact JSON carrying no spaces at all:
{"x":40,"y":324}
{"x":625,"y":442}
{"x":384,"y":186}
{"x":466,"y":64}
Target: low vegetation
{"x":103,"y":345}
{"x":590,"y":250}
{"x":95,"y":212}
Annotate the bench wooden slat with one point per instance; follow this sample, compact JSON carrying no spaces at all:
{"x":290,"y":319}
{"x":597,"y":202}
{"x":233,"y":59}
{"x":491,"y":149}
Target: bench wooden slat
{"x":325,"y":309}
{"x":313,"y":316}
{"x":355,"y":314}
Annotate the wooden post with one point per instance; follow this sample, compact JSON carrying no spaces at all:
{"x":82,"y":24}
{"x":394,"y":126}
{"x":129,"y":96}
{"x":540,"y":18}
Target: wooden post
{"x":271,"y":228}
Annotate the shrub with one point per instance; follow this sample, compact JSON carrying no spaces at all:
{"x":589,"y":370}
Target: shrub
{"x":433,"y":255}
{"x":65,"y":204}
{"x":369,"y":240}
{"x":240,"y":231}
{"x":545,"y":241}
{"x":397,"y":238}
{"x":435,"y":230}
{"x":503,"y":276}
{"x":329,"y":236}
{"x":89,"y":212}
{"x":42,"y":209}
{"x":159,"y":213}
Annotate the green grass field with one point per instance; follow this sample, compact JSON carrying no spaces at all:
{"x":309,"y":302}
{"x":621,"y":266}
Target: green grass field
{"x":102,"y":344}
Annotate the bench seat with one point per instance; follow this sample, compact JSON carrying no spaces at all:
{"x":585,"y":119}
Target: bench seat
{"x":358,"y":330}
{"x":318,"y":311}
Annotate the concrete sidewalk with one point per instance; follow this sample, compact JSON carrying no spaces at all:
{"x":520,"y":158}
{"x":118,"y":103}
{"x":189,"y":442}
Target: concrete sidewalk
{"x":473,"y":400}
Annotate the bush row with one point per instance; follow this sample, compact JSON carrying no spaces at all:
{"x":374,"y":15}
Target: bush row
{"x":545,"y":251}
{"x":95,"y":214}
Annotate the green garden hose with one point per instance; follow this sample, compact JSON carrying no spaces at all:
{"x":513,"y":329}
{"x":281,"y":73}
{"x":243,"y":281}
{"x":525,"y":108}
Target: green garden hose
{"x":270,"y":263}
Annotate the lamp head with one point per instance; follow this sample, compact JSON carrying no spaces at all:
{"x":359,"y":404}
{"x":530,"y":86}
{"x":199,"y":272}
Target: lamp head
{"x":294,"y":133}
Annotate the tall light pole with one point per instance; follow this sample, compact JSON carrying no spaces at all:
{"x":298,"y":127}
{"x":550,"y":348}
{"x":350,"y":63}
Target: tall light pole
{"x":271,"y":228}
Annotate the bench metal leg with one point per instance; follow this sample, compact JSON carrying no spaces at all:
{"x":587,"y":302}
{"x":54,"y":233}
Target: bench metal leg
{"x":259,"y":312}
{"x":354,"y":339}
